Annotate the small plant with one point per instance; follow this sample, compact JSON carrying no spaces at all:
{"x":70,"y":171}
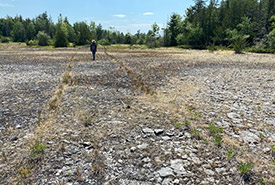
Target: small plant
{"x":172,"y":101}
{"x":24,"y":172}
{"x":230,"y":153}
{"x":178,"y":125}
{"x":261,"y":135}
{"x":218,"y":140}
{"x":59,"y":94}
{"x":214,"y":130}
{"x":273,"y":148}
{"x":37,"y":149}
{"x":245,"y":168}
{"x":195,"y":133}
{"x":187,"y":123}
{"x":196,"y":115}
{"x":53,"y":103}
{"x":259,"y":108}
{"x":87,"y":121}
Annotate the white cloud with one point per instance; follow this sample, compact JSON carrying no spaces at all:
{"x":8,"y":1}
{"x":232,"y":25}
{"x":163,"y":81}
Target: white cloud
{"x":148,"y":13}
{"x":120,"y":15}
{"x":6,"y":5}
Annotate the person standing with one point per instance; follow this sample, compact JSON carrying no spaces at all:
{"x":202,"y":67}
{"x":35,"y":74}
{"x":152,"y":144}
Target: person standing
{"x":93,"y":48}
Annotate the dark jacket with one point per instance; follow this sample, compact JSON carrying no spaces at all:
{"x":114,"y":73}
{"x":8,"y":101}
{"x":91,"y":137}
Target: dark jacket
{"x":93,"y":47}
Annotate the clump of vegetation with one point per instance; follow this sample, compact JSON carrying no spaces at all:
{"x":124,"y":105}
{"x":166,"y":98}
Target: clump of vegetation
{"x":216,"y":133}
{"x":38,"y":149}
{"x":214,"y":130}
{"x":24,"y":172}
{"x":178,"y":125}
{"x":195,"y":133}
{"x":245,"y":170}
{"x":187,"y":123}
{"x":230,"y":153}
{"x":87,"y":121}
{"x":43,"y":38}
{"x":32,"y":43}
{"x":53,"y":103}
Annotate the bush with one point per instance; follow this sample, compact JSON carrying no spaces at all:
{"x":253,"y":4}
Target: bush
{"x":43,"y":38}
{"x":271,"y":39}
{"x":5,"y":40}
{"x":238,"y":40}
{"x":32,"y":43}
{"x":104,"y":42}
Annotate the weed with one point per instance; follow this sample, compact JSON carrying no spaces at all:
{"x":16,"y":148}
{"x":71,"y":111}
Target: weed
{"x":261,"y":135}
{"x":195,"y":133}
{"x":53,"y":103}
{"x":214,"y":130}
{"x":196,"y":115}
{"x":172,"y":101}
{"x":87,"y":121}
{"x":245,"y":168}
{"x":218,"y":140}
{"x":59,"y":94}
{"x":187,"y":123}
{"x":190,"y":108}
{"x":259,"y":108}
{"x":24,"y":172}
{"x":273,"y":148}
{"x":37,"y":149}
{"x":230,"y":153}
{"x":178,"y":125}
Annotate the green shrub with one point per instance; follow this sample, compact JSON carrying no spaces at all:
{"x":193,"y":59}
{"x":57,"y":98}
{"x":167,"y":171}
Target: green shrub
{"x":32,"y":43}
{"x":215,"y":130}
{"x":104,"y":42}
{"x":43,"y":38}
{"x":5,"y":39}
{"x":245,"y":168}
{"x":230,"y":153}
{"x":38,"y":149}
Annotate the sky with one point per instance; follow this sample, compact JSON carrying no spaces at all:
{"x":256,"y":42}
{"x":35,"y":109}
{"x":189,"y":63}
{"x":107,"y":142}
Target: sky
{"x":123,"y":15}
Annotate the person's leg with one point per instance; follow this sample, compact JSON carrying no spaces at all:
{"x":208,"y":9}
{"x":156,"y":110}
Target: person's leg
{"x":93,"y":55}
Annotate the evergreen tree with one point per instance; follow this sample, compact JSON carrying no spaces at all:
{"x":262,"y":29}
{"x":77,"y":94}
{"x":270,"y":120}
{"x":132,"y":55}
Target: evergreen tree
{"x":61,"y":35}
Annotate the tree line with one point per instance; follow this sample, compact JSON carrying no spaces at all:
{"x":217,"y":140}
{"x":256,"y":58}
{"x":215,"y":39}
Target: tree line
{"x":229,"y":23}
{"x":42,"y":31}
{"x":208,"y":24}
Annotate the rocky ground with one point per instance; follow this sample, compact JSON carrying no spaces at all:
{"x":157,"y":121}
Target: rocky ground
{"x":162,"y":116}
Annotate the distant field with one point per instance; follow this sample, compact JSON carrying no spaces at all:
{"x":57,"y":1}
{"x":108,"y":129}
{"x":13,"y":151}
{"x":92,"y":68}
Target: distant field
{"x":136,"y":116}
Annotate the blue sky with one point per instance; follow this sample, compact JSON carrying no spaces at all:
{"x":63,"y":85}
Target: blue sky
{"x":124,"y":15}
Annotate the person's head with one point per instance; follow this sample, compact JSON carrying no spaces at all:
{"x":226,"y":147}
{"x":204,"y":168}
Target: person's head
{"x":93,"y":41}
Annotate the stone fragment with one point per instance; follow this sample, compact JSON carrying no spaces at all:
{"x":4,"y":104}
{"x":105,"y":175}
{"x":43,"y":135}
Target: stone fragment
{"x":165,"y":172}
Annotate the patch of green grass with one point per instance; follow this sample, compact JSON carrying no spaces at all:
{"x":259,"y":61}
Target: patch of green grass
{"x":245,"y":168}
{"x":218,"y":140}
{"x":230,"y":153}
{"x":214,"y":130}
{"x":38,"y":149}
{"x":178,"y":125}
{"x":273,"y":148}
{"x":87,"y":121}
{"x":195,"y":133}
{"x":23,"y":171}
{"x":172,"y":101}
{"x":187,"y":123}
{"x":196,"y":115}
